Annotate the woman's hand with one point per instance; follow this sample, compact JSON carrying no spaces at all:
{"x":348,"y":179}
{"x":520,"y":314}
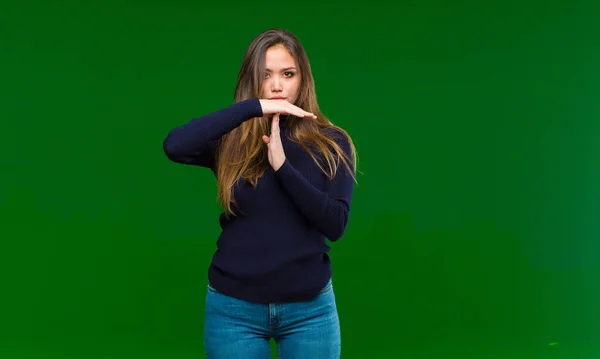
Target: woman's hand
{"x":272,"y":107}
{"x":276,"y":154}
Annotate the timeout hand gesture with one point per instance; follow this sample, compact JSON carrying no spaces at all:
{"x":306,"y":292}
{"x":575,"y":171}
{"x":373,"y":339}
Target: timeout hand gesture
{"x":275,"y":108}
{"x":276,"y":154}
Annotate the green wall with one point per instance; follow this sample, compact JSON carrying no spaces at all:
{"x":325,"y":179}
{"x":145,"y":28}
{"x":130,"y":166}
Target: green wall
{"x":474,"y":229}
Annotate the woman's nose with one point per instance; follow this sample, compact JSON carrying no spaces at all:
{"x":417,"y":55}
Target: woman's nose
{"x":276,"y":84}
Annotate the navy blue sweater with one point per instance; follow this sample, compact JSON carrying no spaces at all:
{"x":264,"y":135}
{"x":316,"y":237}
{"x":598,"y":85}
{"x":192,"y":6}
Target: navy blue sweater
{"x":274,"y":250}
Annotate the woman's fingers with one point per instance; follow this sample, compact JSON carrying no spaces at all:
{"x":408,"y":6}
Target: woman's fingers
{"x":301,"y":113}
{"x":275,"y":123}
{"x":297,"y":111}
{"x":306,"y":115}
{"x":271,"y":107}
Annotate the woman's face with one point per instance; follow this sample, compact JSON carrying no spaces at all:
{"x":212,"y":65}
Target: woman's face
{"x":282,"y":80}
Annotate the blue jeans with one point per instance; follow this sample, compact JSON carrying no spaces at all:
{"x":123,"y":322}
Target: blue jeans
{"x":236,"y":329}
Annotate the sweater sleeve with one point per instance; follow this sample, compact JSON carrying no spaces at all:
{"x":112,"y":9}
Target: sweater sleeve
{"x":194,"y":143}
{"x":327,"y":210}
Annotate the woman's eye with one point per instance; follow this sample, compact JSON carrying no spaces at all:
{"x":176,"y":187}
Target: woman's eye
{"x":285,"y":74}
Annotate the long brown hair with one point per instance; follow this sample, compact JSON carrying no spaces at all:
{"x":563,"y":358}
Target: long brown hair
{"x":242,"y":154}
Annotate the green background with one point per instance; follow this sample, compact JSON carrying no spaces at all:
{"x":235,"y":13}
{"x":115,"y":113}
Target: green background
{"x":474,"y":229}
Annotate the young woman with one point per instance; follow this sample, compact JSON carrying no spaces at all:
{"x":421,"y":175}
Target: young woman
{"x":285,"y":179}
